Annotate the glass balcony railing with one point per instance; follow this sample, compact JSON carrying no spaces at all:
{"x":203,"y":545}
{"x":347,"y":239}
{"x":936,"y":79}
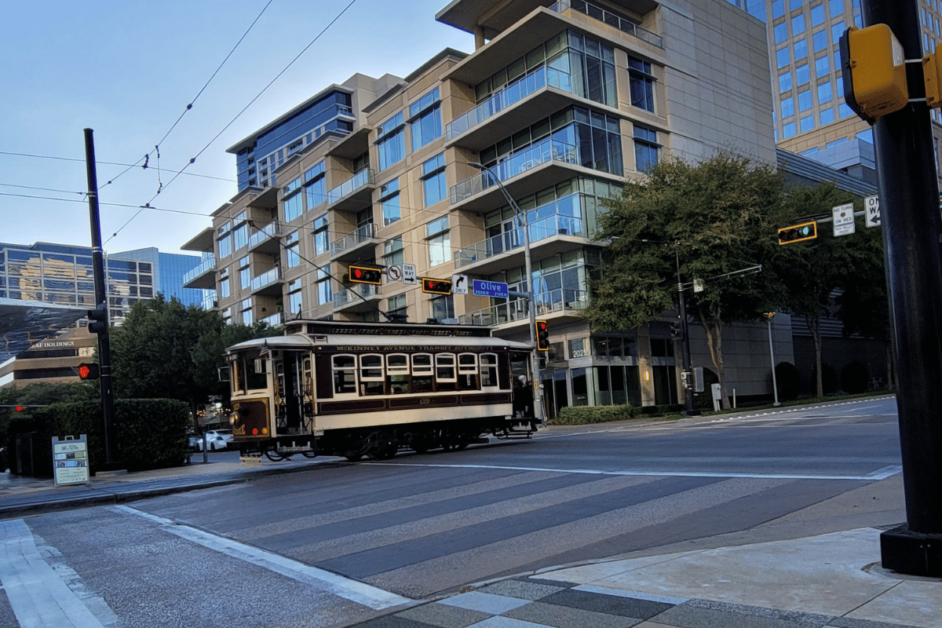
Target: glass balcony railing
{"x":364,"y":177}
{"x":347,"y":297}
{"x":268,"y":231}
{"x":531,"y":82}
{"x":208,"y":263}
{"x":580,"y":6}
{"x":267,"y":278}
{"x":275,"y":319}
{"x":513,"y":239}
{"x":553,"y":301}
{"x":540,"y":153}
{"x":352,"y":240}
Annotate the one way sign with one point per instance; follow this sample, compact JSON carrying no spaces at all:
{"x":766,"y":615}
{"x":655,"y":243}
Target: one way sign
{"x":872,"y":210}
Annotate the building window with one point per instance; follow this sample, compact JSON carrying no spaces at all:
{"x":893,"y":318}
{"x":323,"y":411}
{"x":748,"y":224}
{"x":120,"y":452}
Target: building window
{"x":389,"y":201}
{"x":392,"y":252}
{"x":785,"y":82}
{"x":825,"y":93}
{"x":822,"y":66}
{"x":844,"y":111}
{"x":788,"y":130}
{"x":804,"y":100}
{"x":240,"y":234}
{"x":247,"y":312}
{"x":801,"y":49}
{"x":396,"y":305}
{"x":788,"y":107}
{"x":646,"y":148}
{"x":817,"y":15}
{"x":391,"y":141}
{"x":294,"y":297}
{"x":292,"y":200}
{"x":439,"y":241}
{"x":433,"y":180}
{"x":641,"y":83}
{"x":443,"y":307}
{"x":826,"y":116}
{"x":780,"y":32}
{"x":292,"y":250}
{"x":224,"y":288}
{"x":798,"y":24}
{"x":802,"y":74}
{"x":245,"y":273}
{"x":224,"y":241}
{"x":806,"y":124}
{"x":782,"y":58}
{"x":837,"y":7}
{"x":324,"y":294}
{"x":837,"y":30}
{"x":315,"y":186}
{"x":321,"y":244}
{"x":425,"y":119}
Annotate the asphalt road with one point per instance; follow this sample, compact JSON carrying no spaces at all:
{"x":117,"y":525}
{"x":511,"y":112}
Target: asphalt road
{"x":343,"y":540}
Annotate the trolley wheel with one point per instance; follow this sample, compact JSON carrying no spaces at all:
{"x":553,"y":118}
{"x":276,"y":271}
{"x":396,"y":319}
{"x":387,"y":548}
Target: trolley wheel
{"x":274,"y":456}
{"x":386,"y":452}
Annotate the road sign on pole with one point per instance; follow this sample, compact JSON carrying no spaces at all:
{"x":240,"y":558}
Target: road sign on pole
{"x":843,"y":219}
{"x":872,"y":210}
{"x":408,"y":275}
{"x":493,"y":289}
{"x":394,"y":272}
{"x":459,"y":284}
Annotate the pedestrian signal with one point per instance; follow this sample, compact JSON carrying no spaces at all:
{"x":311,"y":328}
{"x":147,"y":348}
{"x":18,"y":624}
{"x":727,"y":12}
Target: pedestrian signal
{"x":542,"y":336}
{"x":88,"y":371}
{"x":436,"y":286}
{"x":873,"y":70}
{"x":98,"y":320}
{"x":365,"y":274}
{"x":798,"y":233}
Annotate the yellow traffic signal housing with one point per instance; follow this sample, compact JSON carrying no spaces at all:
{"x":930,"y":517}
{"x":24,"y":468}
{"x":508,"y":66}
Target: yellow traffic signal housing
{"x":365,"y":274}
{"x":436,"y":286}
{"x":932,"y":75}
{"x":798,"y":233}
{"x":873,"y":69}
{"x":542,"y":336}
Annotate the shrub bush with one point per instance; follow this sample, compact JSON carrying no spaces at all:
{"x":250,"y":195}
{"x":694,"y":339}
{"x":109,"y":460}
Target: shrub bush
{"x":788,"y":379}
{"x":150,"y":433}
{"x":854,"y":377}
{"x":583,"y":415}
{"x":828,"y":380}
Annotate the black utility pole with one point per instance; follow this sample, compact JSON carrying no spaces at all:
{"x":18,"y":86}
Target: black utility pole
{"x":688,"y":372}
{"x":101,"y":307}
{"x":912,"y":228}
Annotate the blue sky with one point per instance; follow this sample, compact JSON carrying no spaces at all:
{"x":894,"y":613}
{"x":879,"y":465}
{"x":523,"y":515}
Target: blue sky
{"x":127,"y":69}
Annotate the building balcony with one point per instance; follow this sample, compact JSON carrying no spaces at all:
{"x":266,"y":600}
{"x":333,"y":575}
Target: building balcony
{"x":549,"y":236}
{"x":359,"y":298}
{"x":269,"y":283}
{"x":561,"y":306}
{"x":356,"y":246}
{"x":580,"y":7}
{"x":203,"y":276}
{"x":267,"y":239}
{"x":265,"y":198}
{"x":539,"y":158}
{"x":276,"y":319}
{"x":355,"y":193}
{"x":538,"y":94}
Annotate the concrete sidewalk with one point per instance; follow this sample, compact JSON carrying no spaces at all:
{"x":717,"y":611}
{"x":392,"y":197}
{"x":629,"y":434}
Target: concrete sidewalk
{"x":831,"y":580}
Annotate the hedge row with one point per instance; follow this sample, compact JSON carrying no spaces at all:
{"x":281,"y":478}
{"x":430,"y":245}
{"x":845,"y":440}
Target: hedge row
{"x":583,"y":415}
{"x":149,"y":433}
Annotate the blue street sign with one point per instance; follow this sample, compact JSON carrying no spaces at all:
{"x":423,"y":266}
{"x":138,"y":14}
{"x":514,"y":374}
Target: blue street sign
{"x":490,"y":289}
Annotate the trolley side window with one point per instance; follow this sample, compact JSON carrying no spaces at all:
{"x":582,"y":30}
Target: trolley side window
{"x":345,"y":374}
{"x":446,"y":377}
{"x":422,"y":372}
{"x":257,"y":374}
{"x":372,"y":377}
{"x":467,"y":371}
{"x":397,"y":373}
{"x":489,"y":370}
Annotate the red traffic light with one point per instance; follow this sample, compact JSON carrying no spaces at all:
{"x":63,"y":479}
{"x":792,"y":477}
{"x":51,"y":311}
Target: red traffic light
{"x":88,"y":371}
{"x":436,"y":286}
{"x":363,"y":274}
{"x":20,"y":408}
{"x":542,"y":336}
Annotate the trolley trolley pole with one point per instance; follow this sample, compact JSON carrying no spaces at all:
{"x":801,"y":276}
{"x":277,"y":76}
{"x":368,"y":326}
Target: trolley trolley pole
{"x":531,"y":305}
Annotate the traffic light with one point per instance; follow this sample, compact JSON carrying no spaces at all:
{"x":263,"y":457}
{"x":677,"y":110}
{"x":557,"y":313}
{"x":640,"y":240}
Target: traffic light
{"x":88,"y":371}
{"x":676,"y":331}
{"x":436,"y":286}
{"x":873,"y":70}
{"x":542,"y":336}
{"x":932,"y":75}
{"x":798,"y":233}
{"x":365,"y":274}
{"x":98,"y":320}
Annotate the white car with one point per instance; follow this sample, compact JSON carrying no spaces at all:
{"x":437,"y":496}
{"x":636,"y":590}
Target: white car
{"x":216,"y":440}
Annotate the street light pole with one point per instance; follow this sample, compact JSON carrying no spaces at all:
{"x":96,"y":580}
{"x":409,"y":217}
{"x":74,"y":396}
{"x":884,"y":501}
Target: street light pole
{"x":768,"y":317}
{"x":531,"y":306}
{"x":687,"y":380}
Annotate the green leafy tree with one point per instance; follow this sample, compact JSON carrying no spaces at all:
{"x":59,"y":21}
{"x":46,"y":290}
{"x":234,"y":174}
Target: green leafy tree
{"x":166,"y":350}
{"x":814,"y":271}
{"x":713,"y":219}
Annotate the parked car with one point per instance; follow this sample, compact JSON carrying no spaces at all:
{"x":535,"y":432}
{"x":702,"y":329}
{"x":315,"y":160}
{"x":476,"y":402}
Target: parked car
{"x":214,"y":442}
{"x":193,"y":438}
{"x":227,"y":434}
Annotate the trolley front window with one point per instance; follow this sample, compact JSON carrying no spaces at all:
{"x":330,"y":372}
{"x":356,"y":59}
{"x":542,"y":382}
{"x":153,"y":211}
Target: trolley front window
{"x":249,"y":373}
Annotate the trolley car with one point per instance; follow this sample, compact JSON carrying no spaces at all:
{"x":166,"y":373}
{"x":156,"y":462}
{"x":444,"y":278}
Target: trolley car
{"x":369,"y":389}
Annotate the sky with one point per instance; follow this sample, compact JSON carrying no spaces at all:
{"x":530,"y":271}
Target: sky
{"x":127,"y":69}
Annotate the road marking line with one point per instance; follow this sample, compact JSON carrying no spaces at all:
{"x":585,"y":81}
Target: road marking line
{"x":347,"y":588}
{"x":876,"y":475}
{"x":38,"y":596}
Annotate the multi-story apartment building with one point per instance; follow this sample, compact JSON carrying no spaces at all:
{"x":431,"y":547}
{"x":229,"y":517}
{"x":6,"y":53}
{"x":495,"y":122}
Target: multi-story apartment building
{"x":62,"y":275}
{"x":563,"y":103}
{"x":811,"y":117}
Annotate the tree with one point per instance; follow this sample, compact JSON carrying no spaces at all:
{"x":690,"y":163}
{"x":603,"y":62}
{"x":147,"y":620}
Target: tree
{"x":166,"y":350}
{"x":713,"y":218}
{"x":812,"y":272}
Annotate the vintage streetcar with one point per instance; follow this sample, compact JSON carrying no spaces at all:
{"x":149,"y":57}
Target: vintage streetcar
{"x":369,"y":389}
